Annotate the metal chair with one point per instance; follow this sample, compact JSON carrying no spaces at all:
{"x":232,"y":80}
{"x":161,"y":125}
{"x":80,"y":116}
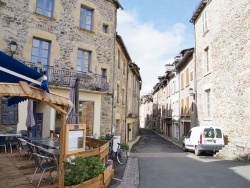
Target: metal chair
{"x":22,"y":148}
{"x":12,"y":142}
{"x":3,"y":142}
{"x":43,"y":166}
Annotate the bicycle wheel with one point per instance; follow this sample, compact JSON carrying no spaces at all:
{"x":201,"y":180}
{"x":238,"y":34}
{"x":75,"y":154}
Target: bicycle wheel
{"x":122,"y":156}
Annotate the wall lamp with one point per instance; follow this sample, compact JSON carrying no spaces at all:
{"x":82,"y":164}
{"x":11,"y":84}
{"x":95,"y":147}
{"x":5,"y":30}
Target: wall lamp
{"x":191,"y":92}
{"x":13,"y":47}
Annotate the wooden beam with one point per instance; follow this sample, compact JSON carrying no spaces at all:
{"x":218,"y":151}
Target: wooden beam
{"x":3,"y":90}
{"x":56,"y":107}
{"x":62,"y":150}
{"x":26,"y":87}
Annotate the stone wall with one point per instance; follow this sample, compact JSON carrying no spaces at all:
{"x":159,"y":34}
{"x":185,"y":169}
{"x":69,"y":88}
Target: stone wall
{"x":228,"y":43}
{"x":20,"y":22}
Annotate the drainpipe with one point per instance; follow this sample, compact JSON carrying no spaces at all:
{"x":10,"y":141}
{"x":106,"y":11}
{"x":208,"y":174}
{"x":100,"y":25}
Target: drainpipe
{"x":112,"y":116}
{"x":77,"y":100}
{"x":126,"y":103}
{"x":195,"y":82}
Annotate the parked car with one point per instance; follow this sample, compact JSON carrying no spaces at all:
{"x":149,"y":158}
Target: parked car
{"x":203,"y":139}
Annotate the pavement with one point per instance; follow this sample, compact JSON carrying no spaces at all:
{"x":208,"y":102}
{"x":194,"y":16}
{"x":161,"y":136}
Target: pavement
{"x":131,"y":174}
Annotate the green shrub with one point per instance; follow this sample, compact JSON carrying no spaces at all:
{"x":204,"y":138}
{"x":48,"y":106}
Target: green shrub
{"x":102,"y":137}
{"x":81,"y":169}
{"x":124,"y":146}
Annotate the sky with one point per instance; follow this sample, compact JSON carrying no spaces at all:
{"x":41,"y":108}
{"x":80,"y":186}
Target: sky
{"x":154,"y":32}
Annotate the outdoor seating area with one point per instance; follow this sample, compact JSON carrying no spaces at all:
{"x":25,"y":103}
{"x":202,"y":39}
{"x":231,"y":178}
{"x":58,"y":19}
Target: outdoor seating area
{"x":21,"y":168}
{"x":34,"y":161}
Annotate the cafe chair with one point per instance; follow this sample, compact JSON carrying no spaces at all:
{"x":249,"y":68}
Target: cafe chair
{"x":13,"y":142}
{"x":42,"y":165}
{"x":3,"y":142}
{"x":22,"y":149}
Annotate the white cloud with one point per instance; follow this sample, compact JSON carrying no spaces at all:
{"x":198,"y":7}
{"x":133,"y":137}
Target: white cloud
{"x":148,"y":47}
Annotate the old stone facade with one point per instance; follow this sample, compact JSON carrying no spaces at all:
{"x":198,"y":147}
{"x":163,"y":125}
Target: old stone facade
{"x":222,"y":65}
{"x":21,"y":21}
{"x":223,"y":71}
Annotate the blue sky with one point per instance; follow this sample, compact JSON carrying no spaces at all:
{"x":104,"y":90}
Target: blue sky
{"x":154,"y":31}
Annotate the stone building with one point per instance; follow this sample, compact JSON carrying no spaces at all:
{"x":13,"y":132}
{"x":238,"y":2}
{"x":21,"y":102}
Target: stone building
{"x":134,"y":84}
{"x":65,"y":40}
{"x":187,"y":106}
{"x":146,"y":111}
{"x":223,"y":69}
{"x":127,"y":86}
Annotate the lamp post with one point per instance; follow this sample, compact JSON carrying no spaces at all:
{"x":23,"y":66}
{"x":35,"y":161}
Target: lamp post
{"x":13,"y":47}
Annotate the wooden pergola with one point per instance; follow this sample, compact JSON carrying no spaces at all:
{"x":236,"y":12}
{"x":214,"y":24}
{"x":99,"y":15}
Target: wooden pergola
{"x":57,"y":102}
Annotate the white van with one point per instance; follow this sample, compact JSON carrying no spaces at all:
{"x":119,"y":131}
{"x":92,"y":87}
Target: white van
{"x":203,"y":138}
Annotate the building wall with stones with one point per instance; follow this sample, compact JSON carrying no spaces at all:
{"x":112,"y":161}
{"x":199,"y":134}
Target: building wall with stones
{"x":120,"y":88}
{"x":19,"y":22}
{"x":225,"y":44}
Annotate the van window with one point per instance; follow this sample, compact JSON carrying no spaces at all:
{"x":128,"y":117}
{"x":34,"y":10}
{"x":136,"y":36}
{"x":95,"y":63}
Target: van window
{"x":208,"y":133}
{"x":189,"y":134}
{"x":218,"y":133}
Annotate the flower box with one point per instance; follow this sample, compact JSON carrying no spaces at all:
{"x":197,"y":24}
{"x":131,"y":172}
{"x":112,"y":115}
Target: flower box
{"x":100,"y":181}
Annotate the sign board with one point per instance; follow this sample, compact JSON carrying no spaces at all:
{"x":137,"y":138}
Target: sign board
{"x":9,"y":113}
{"x":75,"y":138}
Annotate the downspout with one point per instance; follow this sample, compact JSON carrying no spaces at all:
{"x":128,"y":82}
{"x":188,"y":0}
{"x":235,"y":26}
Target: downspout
{"x":112,"y":115}
{"x":195,"y":81}
{"x":126,"y":104}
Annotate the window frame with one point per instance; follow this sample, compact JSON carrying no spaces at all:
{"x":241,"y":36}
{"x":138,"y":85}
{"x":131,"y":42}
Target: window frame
{"x":83,"y":51}
{"x":44,"y":4}
{"x":208,"y":103}
{"x":204,"y":21}
{"x":206,"y":59}
{"x":84,"y":10}
{"x":40,"y":50}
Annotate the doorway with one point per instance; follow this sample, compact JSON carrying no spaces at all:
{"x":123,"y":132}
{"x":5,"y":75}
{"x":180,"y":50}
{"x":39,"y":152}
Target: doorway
{"x":37,"y":130}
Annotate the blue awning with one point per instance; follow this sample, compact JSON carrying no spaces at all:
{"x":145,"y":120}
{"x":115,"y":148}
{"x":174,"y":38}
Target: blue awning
{"x":12,"y":64}
{"x":13,"y":71}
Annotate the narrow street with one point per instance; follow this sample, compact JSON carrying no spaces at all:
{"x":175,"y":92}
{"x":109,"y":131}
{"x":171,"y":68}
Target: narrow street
{"x":163,"y":164}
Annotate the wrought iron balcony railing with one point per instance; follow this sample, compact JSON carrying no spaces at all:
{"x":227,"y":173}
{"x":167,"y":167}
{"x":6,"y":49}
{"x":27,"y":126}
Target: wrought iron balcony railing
{"x":61,"y":77}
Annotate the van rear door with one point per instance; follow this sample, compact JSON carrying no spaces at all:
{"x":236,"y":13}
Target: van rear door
{"x":213,"y":136}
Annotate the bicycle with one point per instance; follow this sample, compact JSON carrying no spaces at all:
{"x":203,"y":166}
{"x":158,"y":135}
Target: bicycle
{"x":121,"y":154}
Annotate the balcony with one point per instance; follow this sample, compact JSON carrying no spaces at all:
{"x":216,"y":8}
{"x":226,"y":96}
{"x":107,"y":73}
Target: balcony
{"x":62,"y":76}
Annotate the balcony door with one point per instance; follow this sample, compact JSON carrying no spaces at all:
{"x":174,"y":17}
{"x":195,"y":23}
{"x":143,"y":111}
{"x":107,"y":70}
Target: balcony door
{"x":40,"y":54}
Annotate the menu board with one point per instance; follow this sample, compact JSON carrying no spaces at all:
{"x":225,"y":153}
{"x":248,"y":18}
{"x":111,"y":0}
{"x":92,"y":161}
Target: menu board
{"x":75,"y":139}
{"x":9,"y":113}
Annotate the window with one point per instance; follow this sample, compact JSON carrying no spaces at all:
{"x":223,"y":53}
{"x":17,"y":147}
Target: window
{"x":119,"y":60}
{"x":124,"y":68}
{"x":208,"y":133}
{"x":182,"y":81}
{"x":206,"y":60}
{"x":204,"y":20}
{"x":105,"y":28}
{"x":182,"y":106}
{"x":45,"y":7}
{"x":104,"y":72}
{"x":83,"y":61}
{"x":187,"y":106}
{"x":86,"y":18}
{"x":40,"y":51}
{"x":118,"y":93}
{"x":208,"y":103}
{"x":218,"y":133}
{"x":123,"y":96}
{"x":189,"y":134}
{"x":191,"y":76}
{"x":187,"y":76}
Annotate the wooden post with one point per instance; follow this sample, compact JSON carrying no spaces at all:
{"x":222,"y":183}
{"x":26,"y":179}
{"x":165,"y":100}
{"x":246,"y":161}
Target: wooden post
{"x":62,"y":137}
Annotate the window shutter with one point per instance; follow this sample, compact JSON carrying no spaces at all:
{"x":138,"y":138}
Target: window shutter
{"x":187,"y":105}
